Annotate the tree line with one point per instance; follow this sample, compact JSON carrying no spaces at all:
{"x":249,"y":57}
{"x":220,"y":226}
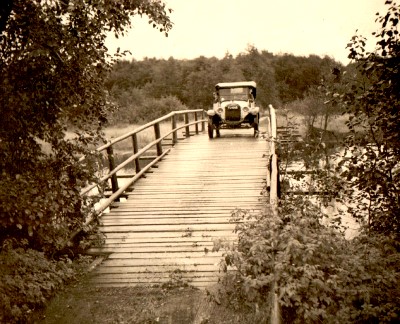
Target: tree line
{"x":173,"y":84}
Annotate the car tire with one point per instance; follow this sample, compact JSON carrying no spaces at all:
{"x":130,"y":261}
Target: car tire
{"x":210,"y":131}
{"x":255,"y":125}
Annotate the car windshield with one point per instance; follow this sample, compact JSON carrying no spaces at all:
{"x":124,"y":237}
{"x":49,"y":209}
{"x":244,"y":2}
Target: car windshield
{"x":227,"y":94}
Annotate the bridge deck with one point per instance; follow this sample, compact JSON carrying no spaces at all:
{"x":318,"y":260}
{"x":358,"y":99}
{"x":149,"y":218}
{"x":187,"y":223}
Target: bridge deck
{"x":165,"y":229}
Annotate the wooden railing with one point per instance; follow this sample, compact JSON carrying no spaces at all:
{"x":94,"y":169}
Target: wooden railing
{"x":273,"y":182}
{"x":274,"y":174}
{"x":190,"y":119}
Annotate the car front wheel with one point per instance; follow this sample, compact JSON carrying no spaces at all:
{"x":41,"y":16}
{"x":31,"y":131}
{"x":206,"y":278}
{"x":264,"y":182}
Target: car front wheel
{"x":255,"y":125}
{"x":210,"y":131}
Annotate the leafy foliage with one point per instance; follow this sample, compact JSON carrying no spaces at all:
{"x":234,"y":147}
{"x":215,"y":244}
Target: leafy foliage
{"x":53,"y":64}
{"x":135,"y":106}
{"x":296,"y":75}
{"x":320,"y":276}
{"x":371,"y":97}
{"x":29,"y":278}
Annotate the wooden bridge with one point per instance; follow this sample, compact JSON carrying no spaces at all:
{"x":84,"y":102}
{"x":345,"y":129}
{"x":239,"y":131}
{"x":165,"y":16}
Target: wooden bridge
{"x":174,"y":208}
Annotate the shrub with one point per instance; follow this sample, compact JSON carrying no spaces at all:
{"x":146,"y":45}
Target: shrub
{"x":135,"y":106}
{"x":43,"y":204}
{"x":319,"y":275}
{"x":29,"y":279}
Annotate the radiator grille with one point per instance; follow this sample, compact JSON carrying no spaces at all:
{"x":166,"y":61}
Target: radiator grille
{"x":232,"y":113}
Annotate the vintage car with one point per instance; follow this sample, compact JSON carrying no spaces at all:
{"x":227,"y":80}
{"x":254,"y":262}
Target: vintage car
{"x":234,"y":107}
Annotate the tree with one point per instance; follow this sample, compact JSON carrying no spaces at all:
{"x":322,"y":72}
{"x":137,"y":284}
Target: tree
{"x":199,"y":80}
{"x":296,"y":75}
{"x":372,"y":100}
{"x":53,"y":63}
{"x":258,"y":67}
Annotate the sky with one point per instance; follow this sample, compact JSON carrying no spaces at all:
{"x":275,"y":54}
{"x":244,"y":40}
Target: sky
{"x":216,"y":27}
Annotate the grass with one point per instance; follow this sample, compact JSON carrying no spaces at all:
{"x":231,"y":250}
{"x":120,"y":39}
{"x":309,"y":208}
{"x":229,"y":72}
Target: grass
{"x":144,"y":137}
{"x":336,"y":123}
{"x":83,"y":303}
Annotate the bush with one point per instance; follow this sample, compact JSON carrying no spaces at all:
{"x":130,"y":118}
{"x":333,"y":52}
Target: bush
{"x":135,"y":106}
{"x":29,"y":279}
{"x":319,"y":275}
{"x":43,"y":204}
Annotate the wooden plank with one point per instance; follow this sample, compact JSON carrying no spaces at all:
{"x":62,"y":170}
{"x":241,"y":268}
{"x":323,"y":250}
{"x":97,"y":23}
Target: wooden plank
{"x":170,"y":235}
{"x":155,"y":283}
{"x":160,"y":279}
{"x":201,"y":285}
{"x":162,"y":255}
{"x":171,"y":262}
{"x":172,"y":221}
{"x":246,"y":205}
{"x":164,"y":275}
{"x":167,"y":240}
{"x":166,"y":228}
{"x":170,"y":213}
{"x":146,"y":210}
{"x":142,"y":206}
{"x":153,"y":249}
{"x":197,"y":243}
{"x":235,"y":196}
{"x":131,"y":216}
{"x":199,"y":193}
{"x":154,"y":269}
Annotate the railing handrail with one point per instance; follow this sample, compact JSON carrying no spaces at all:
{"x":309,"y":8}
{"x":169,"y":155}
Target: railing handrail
{"x":135,"y":156}
{"x":145,"y":126}
{"x":137,"y":153}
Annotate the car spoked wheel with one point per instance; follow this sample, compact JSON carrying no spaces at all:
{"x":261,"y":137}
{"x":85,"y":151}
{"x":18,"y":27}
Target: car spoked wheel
{"x":256,"y":132}
{"x":210,"y":131}
{"x":255,"y":126}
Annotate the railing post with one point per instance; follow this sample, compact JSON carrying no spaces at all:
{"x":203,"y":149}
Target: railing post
{"x":135,"y":150}
{"x":275,"y":310}
{"x":111,"y":163}
{"x":274,"y":196}
{"x":158,"y":136}
{"x":187,"y":126}
{"x":274,"y":193}
{"x":196,"y":125}
{"x":175,"y":133}
{"x":203,"y":123}
{"x":273,"y":128}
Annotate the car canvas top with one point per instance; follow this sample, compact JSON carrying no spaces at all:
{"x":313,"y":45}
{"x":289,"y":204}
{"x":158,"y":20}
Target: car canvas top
{"x":236,"y":84}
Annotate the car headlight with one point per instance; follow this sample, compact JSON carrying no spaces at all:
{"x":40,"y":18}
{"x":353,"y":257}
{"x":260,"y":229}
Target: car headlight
{"x":220,"y":110}
{"x":210,"y":112}
{"x":245,"y":109}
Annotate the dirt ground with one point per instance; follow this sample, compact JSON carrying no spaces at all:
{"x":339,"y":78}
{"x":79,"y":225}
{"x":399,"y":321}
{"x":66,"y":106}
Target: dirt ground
{"x":83,"y":303}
